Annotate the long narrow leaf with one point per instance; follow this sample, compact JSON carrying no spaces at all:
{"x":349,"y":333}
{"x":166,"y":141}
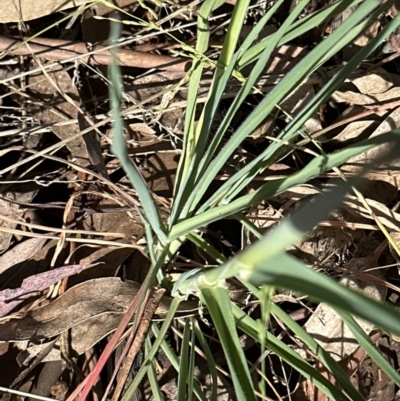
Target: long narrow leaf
{"x":119,"y":146}
{"x":206,"y":176}
{"x":152,"y":375}
{"x":150,"y":355}
{"x":316,"y":167}
{"x":332,"y":366}
{"x":175,"y":363}
{"x":299,"y":28}
{"x":183,"y":376}
{"x":251,"y":327}
{"x":219,"y":306}
{"x":190,"y":141}
{"x":367,"y":344}
{"x":241,"y":179}
{"x":210,"y":360}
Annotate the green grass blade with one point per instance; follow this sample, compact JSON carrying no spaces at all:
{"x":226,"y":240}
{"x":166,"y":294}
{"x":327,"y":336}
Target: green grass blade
{"x":369,"y":346}
{"x":287,"y":272}
{"x":264,"y":263}
{"x":288,"y":232}
{"x":119,"y":146}
{"x":295,"y":126}
{"x":191,"y":362}
{"x":337,"y":371}
{"x":152,"y":375}
{"x":267,"y":293}
{"x":232,"y":35}
{"x":241,"y":179}
{"x":196,"y":137}
{"x":190,"y":140}
{"x":235,"y":184}
{"x":219,"y":85}
{"x":175,"y":363}
{"x":206,"y":174}
{"x":225,"y":59}
{"x":249,"y":326}
{"x":249,"y":225}
{"x":210,"y":360}
{"x":219,"y":306}
{"x":299,"y":28}
{"x":206,"y":247}
{"x":316,"y":167}
{"x":151,"y":354}
{"x":184,"y":377}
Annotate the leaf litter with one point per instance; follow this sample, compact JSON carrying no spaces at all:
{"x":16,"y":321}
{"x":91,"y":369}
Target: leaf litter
{"x":64,"y":97}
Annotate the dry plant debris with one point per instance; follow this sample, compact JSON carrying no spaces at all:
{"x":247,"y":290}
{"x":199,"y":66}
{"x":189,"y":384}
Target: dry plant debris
{"x":68,"y":211}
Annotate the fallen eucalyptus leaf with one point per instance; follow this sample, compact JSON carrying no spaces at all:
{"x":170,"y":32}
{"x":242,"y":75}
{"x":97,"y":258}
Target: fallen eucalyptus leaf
{"x":31,"y":286}
{"x":13,"y":210}
{"x":328,"y":328}
{"x":85,"y":301}
{"x":21,"y":252}
{"x":25,"y":10}
{"x":385,"y":170}
{"x":371,"y":99}
{"x":387,"y":217}
{"x":373,"y":83}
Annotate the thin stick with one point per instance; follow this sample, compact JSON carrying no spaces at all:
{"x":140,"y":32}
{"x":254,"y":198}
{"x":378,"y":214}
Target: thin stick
{"x":60,"y":50}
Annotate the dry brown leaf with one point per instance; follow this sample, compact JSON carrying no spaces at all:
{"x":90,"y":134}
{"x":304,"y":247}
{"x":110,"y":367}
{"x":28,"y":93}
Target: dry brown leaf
{"x":58,"y":109}
{"x":377,"y":190}
{"x":21,"y":252}
{"x":159,"y":172}
{"x":142,"y":129}
{"x":372,"y":83}
{"x":338,"y":19}
{"x":88,"y":302}
{"x":328,"y":328}
{"x":144,"y":87}
{"x":323,"y":242}
{"x":396,"y":238}
{"x":361,"y":99}
{"x":387,"y":217}
{"x":38,"y":263}
{"x":30,"y":351}
{"x":109,"y":258}
{"x":308,"y":391}
{"x":29,"y":361}
{"x":33,"y":285}
{"x":25,"y":10}
{"x":362,"y":40}
{"x":368,"y":34}
{"x":13,"y":210}
{"x":353,"y":130}
{"x":376,"y":158}
{"x":79,"y":303}
{"x":394,"y":9}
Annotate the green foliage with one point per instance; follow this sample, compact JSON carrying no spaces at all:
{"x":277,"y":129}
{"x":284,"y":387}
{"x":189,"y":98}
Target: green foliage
{"x":264,"y":262}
